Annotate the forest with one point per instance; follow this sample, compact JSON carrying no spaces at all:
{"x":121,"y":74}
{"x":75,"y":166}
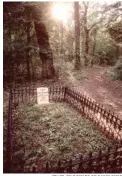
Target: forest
{"x":74,"y":50}
{"x":42,"y":38}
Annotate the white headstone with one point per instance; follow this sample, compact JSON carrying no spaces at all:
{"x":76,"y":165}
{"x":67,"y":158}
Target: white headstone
{"x":42,"y":95}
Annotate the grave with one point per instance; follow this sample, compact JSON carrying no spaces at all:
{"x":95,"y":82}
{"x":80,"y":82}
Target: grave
{"x":42,"y":95}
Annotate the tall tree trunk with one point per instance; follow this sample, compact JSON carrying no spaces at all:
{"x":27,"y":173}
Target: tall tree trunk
{"x":28,"y":51}
{"x":62,"y":36}
{"x":77,"y":36}
{"x":28,"y":65}
{"x":94,"y":46}
{"x":117,"y":51}
{"x":86,"y":49}
{"x":48,"y":71}
{"x":45,"y":52}
{"x":86,"y":33}
{"x":71,"y":50}
{"x":59,"y":42}
{"x":32,"y":69}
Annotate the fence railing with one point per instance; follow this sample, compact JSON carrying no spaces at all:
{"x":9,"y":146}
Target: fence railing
{"x":109,"y":123}
{"x":109,"y":162}
{"x":9,"y":136}
{"x":22,"y":94}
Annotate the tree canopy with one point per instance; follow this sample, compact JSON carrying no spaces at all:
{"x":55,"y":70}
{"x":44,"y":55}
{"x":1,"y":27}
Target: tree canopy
{"x":35,"y":37}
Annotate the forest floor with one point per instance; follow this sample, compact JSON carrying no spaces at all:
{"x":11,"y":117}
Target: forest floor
{"x":101,"y":88}
{"x":52,"y":132}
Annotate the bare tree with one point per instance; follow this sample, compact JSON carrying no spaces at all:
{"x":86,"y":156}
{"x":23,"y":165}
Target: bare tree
{"x":77,"y":36}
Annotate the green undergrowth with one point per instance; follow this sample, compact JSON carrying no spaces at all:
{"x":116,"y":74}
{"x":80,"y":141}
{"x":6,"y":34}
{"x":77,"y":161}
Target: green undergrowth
{"x":67,"y":73}
{"x":116,"y":71}
{"x":51,"y":132}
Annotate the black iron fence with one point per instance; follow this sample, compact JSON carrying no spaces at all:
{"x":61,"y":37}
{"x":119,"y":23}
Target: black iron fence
{"x":109,"y":123}
{"x":22,"y":94}
{"x":9,"y":136}
{"x":109,"y":162}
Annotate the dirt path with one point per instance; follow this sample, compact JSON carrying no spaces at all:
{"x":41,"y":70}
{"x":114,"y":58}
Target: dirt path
{"x":102,"y":89}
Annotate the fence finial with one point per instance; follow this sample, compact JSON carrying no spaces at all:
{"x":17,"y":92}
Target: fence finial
{"x":47,"y":167}
{"x":70,"y":166}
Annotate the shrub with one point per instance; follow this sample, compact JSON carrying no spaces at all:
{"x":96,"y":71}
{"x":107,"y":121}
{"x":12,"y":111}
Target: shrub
{"x":116,"y":71}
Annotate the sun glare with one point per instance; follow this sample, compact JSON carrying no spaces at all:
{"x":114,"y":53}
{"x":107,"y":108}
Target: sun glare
{"x":61,"y":12}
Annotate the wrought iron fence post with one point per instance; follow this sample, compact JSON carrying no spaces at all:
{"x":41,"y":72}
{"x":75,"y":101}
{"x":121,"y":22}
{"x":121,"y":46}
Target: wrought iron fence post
{"x":80,"y":168}
{"x":59,"y":167}
{"x":34,"y":169}
{"x":90,"y":163}
{"x":47,"y":167}
{"x":9,"y":135}
{"x":65,"y":91}
{"x":99,"y":162}
{"x":69,"y":170}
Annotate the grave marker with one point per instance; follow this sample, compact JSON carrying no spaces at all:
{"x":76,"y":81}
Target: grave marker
{"x":42,"y":95}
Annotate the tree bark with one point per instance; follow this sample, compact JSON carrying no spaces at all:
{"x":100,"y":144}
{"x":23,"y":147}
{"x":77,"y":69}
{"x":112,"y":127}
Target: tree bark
{"x":32,"y":68}
{"x":28,"y":64}
{"x":62,"y":38}
{"x":86,"y":49}
{"x":28,"y":52}
{"x":48,"y":71}
{"x":86,"y":33}
{"x":77,"y":36}
{"x":94,"y":46}
{"x":117,"y":51}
